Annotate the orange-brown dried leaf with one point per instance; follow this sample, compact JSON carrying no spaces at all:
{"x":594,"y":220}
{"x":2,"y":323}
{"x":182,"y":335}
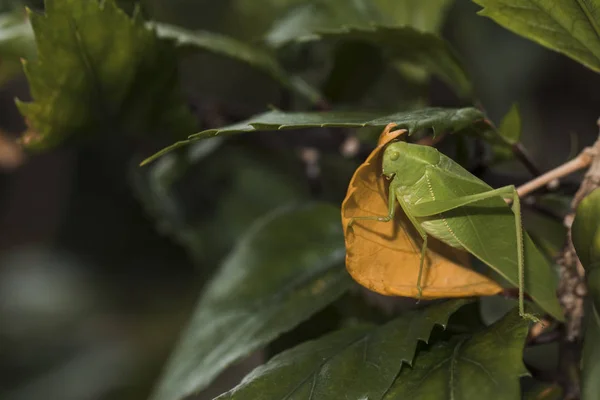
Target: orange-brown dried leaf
{"x":384,"y":257}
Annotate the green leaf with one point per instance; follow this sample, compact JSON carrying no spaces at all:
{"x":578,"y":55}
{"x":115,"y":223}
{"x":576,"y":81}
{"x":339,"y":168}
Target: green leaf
{"x":590,"y":385}
{"x":451,"y":119}
{"x":255,"y":56}
{"x":571,"y":27}
{"x":586,"y":231}
{"x":510,"y":127}
{"x":586,"y":240}
{"x":99,"y":71}
{"x":486,"y":365}
{"x":408,"y":45}
{"x":16,"y":42}
{"x":547,"y":233}
{"x":175,"y":191}
{"x":286,"y":267}
{"x":426,"y":16}
{"x":356,"y":363}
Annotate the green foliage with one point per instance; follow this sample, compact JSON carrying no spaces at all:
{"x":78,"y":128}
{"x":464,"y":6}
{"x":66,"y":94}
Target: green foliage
{"x":287,"y":266}
{"x":359,"y":362}
{"x":254,"y":56}
{"x":408,"y":45}
{"x":586,"y":239}
{"x":251,"y":211}
{"x":305,"y":19}
{"x":208,"y":223}
{"x":487,"y":364}
{"x":439,"y":119}
{"x":89,"y":80}
{"x":571,"y":27}
{"x":510,"y":127}
{"x":506,"y":136}
{"x":591,"y":352}
{"x":16,"y":42}
{"x":424,"y":16}
{"x":586,"y":232}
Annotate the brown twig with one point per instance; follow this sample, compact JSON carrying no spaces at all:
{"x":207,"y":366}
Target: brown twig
{"x":539,"y":335}
{"x":583,"y":160}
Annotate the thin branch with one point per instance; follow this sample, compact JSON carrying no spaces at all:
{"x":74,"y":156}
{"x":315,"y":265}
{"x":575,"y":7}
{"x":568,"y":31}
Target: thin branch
{"x":544,"y":336}
{"x":583,"y":160}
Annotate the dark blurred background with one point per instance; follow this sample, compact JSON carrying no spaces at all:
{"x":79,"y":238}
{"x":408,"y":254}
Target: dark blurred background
{"x":99,"y":270}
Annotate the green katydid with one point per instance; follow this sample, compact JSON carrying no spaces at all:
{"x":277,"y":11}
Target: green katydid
{"x":445,"y":201}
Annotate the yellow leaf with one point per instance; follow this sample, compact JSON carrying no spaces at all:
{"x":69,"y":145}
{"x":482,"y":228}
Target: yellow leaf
{"x":385,"y":257}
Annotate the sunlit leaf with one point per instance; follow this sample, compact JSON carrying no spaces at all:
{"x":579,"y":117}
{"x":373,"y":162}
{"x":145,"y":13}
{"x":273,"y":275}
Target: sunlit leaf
{"x":99,"y":72}
{"x":571,"y":27}
{"x":355,"y":363}
{"x":439,"y":119}
{"x":486,"y":365}
{"x":385,"y":257}
{"x":286,"y":267}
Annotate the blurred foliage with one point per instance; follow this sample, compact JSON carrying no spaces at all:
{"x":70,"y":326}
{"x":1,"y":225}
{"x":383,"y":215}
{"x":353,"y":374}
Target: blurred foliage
{"x":93,"y":80}
{"x":16,"y":42}
{"x":586,"y":239}
{"x":102,"y":261}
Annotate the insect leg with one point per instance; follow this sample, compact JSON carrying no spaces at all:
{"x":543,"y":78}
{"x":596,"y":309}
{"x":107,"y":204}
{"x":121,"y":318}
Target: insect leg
{"x":391,"y":210}
{"x":421,"y":266}
{"x":438,"y":206}
{"x":516,"y":207}
{"x":424,"y":236}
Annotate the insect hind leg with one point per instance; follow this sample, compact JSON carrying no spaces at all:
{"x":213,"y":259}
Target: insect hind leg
{"x":421,"y":267}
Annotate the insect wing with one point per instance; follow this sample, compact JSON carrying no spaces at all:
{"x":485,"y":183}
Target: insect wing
{"x":487,"y":230}
{"x":385,"y":257}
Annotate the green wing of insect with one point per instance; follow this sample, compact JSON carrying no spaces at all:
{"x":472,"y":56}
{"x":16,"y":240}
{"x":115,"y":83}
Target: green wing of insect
{"x":486,"y":229}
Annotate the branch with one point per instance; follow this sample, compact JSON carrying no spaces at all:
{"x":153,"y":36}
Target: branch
{"x":581,"y":161}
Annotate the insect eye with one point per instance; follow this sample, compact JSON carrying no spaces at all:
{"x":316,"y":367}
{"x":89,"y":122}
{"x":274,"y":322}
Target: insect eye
{"x":394,"y":155}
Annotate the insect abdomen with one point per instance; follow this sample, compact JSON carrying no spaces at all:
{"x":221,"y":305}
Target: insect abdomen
{"x":438,"y":227}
